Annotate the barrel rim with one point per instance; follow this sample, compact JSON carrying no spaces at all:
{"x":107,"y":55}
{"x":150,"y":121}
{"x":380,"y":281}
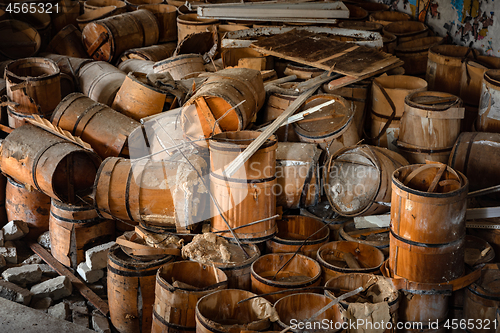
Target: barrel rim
{"x":403,"y":49}
{"x":409,"y":100}
{"x":43,"y":77}
{"x":198,"y":21}
{"x":324,"y":263}
{"x":493,"y":80}
{"x":220,"y":141}
{"x":131,"y":76}
{"x":294,"y":242}
{"x":345,"y":236}
{"x":423,"y":28}
{"x":71,"y":208}
{"x":141,"y":265}
{"x":61,"y":108}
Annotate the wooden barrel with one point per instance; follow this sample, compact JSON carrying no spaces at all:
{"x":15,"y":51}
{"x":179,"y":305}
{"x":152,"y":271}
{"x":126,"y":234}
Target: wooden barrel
{"x":356,"y":178}
{"x":444,"y":67}
{"x":397,"y":87}
{"x":29,"y":205}
{"x":105,"y":129}
{"x":293,"y":309}
{"x":136,"y":65}
{"x":472,"y":78}
{"x":54,"y":166}
{"x":385,"y":300}
{"x":35,"y":84}
{"x":489,"y":111}
{"x":68,"y":42}
{"x":74,"y":229}
{"x":221,"y":312}
{"x":477,"y":251}
{"x":66,"y":14}
{"x":482,"y":300}
{"x":387,"y":17}
{"x":188,"y":24}
{"x":138,"y":99}
{"x":430,"y":126}
{"x":300,"y":272}
{"x":476,"y":155}
{"x":131,"y":291}
{"x":153,"y":53}
{"x":179,"y":286}
{"x":3,"y":201}
{"x":297,"y":174}
{"x":492,"y":236}
{"x":332,"y":128}
{"x":360,"y":25}
{"x":91,"y":5}
{"x":95,"y":15}
{"x":101,"y":81}
{"x":390,"y":42}
{"x":180,"y":66}
{"x":415,"y":52}
{"x":108,"y":38}
{"x":376,"y":237}
{"x":223,"y":91}
{"x":138,"y":191}
{"x":166,"y":15}
{"x":336,"y":258}
{"x":69,"y":67}
{"x":26,"y":43}
{"x":355,"y":12}
{"x":248,"y":195}
{"x":423,"y":248}
{"x":296,"y":231}
{"x":406,"y":31}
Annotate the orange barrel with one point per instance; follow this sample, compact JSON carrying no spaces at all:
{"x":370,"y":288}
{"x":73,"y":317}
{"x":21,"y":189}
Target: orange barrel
{"x":387,"y":17}
{"x":188,"y":24}
{"x":27,"y":41}
{"x":60,"y":168}
{"x":489,"y":111}
{"x":74,"y":229}
{"x":180,"y":66}
{"x":29,"y":205}
{"x":332,"y":128}
{"x":221,"y":312}
{"x":297,"y":174}
{"x":300,"y":272}
{"x":101,"y":81}
{"x":406,"y":31}
{"x":429,"y":131}
{"x":105,"y":129}
{"x":35,"y":84}
{"x":137,"y":98}
{"x":444,"y":67}
{"x":296,"y":231}
{"x":357,"y":178}
{"x":68,"y":42}
{"x":131,"y":290}
{"x":90,"y":5}
{"x":179,"y":286}
{"x":396,"y":87}
{"x":166,"y":15}
{"x":153,"y":53}
{"x":136,"y":65}
{"x":147,"y":191}
{"x":415,"y":53}
{"x":108,"y":38}
{"x":248,"y":195}
{"x":423,"y":248}
{"x":343,"y":257}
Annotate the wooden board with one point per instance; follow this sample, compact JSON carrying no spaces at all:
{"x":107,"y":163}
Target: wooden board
{"x":326,"y":52}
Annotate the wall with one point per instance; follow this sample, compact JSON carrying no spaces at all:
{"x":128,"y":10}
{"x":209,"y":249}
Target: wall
{"x":463,"y":20}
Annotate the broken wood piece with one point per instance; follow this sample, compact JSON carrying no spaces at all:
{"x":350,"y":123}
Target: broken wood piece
{"x":482,"y":213}
{"x":372,"y":221}
{"x":437,"y":178}
{"x":351,"y":260}
{"x":285,"y":79}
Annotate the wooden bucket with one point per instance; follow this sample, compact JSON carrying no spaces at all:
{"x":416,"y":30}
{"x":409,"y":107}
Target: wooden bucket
{"x":356,"y":178}
{"x":136,"y":65}
{"x":135,"y":4}
{"x":444,"y":67}
{"x":360,"y":25}
{"x":188,"y":24}
{"x":138,"y":99}
{"x":131,"y":291}
{"x":68,"y":42}
{"x":220,"y":312}
{"x":35,"y":84}
{"x":108,"y":38}
{"x":91,"y":5}
{"x":482,"y":300}
{"x":429,"y":131}
{"x":26,"y":43}
{"x":28,"y":205}
{"x":54,"y":166}
{"x":246,"y":57}
{"x":472,"y":78}
{"x":166,"y":15}
{"x":95,"y":15}
{"x":297,"y":174}
{"x":138,"y":191}
{"x":489,"y":111}
{"x":415,"y":53}
{"x":175,"y":303}
{"x":68,"y":12}
{"x":101,"y":81}
{"x":180,"y":66}
{"x":300,"y":272}
{"x":390,"y":42}
{"x":153,"y":53}
{"x":397,"y":87}
{"x":332,"y":128}
{"x":105,"y":129}
{"x":376,"y":237}
{"x":334,"y":261}
{"x":423,"y":248}
{"x":406,"y":31}
{"x":74,"y":229}
{"x":387,"y":17}
{"x":476,"y":155}
{"x":477,"y":251}
{"x":248,"y":195}
{"x":300,"y":307}
{"x":385,"y":298}
{"x":296,"y":231}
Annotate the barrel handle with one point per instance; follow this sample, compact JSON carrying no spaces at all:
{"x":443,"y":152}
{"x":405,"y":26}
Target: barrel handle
{"x":391,"y":117}
{"x":103,"y":37}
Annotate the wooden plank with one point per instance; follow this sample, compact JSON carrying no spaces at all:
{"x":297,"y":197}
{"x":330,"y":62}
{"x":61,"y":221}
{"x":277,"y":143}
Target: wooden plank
{"x":482,"y":213}
{"x":77,"y":283}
